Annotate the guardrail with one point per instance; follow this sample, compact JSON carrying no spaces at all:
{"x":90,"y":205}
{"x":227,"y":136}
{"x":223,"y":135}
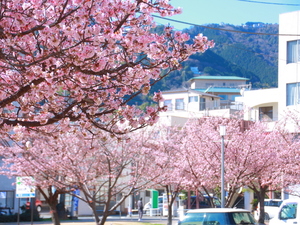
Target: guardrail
{"x":147,"y":212}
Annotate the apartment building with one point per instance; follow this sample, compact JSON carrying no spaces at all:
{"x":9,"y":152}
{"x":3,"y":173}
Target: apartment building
{"x":271,"y":105}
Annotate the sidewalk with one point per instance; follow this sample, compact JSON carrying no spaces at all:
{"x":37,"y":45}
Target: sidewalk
{"x":112,"y":220}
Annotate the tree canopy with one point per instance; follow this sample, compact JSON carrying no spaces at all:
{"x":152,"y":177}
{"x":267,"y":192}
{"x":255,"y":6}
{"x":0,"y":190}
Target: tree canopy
{"x":79,"y":60}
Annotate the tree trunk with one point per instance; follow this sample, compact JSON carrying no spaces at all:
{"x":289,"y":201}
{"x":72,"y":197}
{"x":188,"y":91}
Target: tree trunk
{"x":60,"y":207}
{"x":170,"y":214}
{"x":52,"y":201}
{"x":96,"y":216}
{"x":261,"y":198}
{"x":103,"y":220}
{"x":54,"y":215}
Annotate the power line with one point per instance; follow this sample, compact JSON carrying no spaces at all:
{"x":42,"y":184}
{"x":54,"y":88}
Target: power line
{"x":270,"y":3}
{"x":232,"y":46}
{"x":222,"y":29}
{"x":248,"y":50}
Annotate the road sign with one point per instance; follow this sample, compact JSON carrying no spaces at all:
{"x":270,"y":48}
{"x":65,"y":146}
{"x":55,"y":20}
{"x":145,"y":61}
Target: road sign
{"x":23,"y":189}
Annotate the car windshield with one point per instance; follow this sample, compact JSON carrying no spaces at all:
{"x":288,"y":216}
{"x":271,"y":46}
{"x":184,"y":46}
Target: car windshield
{"x":233,"y":218}
{"x":204,"y":218}
{"x":243,"y":218}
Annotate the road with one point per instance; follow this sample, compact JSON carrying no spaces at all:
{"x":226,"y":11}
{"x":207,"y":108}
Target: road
{"x":112,"y":220}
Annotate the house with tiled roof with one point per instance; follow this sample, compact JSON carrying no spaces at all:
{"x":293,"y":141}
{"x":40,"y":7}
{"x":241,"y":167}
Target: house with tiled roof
{"x":206,"y":96}
{"x":226,"y":87}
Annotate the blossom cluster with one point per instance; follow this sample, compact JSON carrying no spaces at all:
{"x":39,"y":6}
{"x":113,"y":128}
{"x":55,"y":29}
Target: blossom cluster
{"x":84,"y":60}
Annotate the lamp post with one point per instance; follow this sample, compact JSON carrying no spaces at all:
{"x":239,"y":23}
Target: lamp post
{"x":222,"y":134}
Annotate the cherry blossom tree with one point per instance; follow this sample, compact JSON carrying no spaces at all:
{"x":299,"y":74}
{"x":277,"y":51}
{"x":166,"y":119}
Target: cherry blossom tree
{"x":166,"y":141}
{"x":84,"y":60}
{"x":263,"y":155}
{"x":255,"y":157}
{"x":202,"y":152}
{"x":106,"y":169}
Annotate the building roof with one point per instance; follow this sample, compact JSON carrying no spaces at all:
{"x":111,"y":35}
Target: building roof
{"x":194,"y":91}
{"x":220,"y":90}
{"x":218,"y":78}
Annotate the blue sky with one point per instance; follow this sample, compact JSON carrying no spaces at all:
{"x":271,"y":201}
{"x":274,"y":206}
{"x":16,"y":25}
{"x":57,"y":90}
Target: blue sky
{"x":234,"y":12}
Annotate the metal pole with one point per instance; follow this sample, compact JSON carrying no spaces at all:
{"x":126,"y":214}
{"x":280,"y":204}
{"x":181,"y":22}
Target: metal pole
{"x":222,"y":134}
{"x":222,"y":174}
{"x":31,"y":208}
{"x":18,"y":219}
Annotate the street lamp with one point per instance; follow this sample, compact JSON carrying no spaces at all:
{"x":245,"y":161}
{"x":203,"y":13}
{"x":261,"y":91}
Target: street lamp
{"x":222,"y":134}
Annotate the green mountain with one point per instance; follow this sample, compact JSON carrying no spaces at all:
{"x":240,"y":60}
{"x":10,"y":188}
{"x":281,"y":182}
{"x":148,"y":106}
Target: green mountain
{"x":249,"y":51}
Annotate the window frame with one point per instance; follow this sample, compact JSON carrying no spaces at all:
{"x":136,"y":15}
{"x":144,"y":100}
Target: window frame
{"x":202,"y":104}
{"x":292,"y":93}
{"x":169,"y":104}
{"x":179,"y":104}
{"x":8,"y":197}
{"x":293,"y":51}
{"x":266,"y":113}
{"x":193,"y":98}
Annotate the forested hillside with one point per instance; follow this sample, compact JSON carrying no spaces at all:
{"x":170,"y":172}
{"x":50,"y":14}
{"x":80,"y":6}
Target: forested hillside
{"x":246,"y":51}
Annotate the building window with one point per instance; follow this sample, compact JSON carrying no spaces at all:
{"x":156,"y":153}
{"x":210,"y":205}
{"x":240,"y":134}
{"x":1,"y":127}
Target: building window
{"x":202,"y":104}
{"x":179,"y":105}
{"x":292,"y":94}
{"x":7,"y":199}
{"x":293,"y":51}
{"x":266,"y":113}
{"x":148,"y":193}
{"x":193,"y":99}
{"x":168,"y":103}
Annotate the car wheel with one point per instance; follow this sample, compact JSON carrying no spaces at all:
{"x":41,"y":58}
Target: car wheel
{"x":267,"y":217}
{"x":39,"y":208}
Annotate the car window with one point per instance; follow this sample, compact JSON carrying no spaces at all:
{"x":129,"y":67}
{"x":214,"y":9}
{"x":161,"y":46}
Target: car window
{"x":217,"y":202}
{"x":205,"y":218}
{"x":273,"y":203}
{"x":243,"y":218}
{"x":288,"y":212}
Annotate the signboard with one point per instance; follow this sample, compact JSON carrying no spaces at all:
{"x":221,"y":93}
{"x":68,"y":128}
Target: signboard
{"x":23,"y":190}
{"x":75,"y":202}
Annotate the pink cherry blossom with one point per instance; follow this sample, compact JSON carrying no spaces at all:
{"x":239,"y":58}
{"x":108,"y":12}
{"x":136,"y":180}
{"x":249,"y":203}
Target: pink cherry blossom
{"x":56,"y":53}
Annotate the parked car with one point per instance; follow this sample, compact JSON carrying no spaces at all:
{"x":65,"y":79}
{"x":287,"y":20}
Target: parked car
{"x":38,"y":205}
{"x":217,"y":216}
{"x":204,"y":202}
{"x":271,"y":208}
{"x":288,"y":213}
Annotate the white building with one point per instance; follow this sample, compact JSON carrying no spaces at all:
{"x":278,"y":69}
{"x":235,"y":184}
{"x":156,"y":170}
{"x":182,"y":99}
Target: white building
{"x":207,"y":96}
{"x":271,"y":105}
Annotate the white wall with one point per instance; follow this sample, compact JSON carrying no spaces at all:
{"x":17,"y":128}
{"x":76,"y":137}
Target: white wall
{"x":189,"y":106}
{"x":289,"y":23}
{"x":259,"y":98}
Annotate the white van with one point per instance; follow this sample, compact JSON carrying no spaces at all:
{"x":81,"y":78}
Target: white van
{"x":287,"y":213}
{"x":271,"y":208}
